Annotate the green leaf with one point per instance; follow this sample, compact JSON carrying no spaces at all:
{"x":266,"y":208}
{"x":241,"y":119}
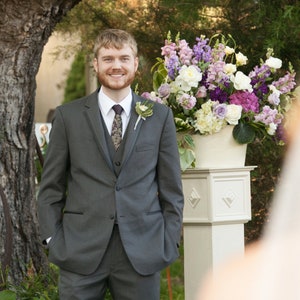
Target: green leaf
{"x":7,"y":295}
{"x":243,"y":133}
{"x":187,"y":157}
{"x":157,"y":80}
{"x":189,"y":141}
{"x":186,"y":152}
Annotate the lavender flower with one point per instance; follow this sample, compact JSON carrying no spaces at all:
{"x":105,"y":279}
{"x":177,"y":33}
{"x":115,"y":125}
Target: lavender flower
{"x":220,"y":110}
{"x":187,"y":101}
{"x":286,"y":83}
{"x":164,"y":90}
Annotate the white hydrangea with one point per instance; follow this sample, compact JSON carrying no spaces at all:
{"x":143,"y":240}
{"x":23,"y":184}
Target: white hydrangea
{"x":206,"y":122}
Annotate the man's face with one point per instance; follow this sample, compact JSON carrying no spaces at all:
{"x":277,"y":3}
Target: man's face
{"x":116,"y":68}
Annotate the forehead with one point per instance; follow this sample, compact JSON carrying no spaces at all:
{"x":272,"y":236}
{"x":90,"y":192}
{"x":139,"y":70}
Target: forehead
{"x":112,"y":51}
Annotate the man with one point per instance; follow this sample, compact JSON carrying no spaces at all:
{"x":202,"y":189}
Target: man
{"x":110,"y":207}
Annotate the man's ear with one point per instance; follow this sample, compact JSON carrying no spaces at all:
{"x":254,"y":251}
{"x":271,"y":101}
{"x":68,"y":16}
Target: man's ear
{"x":95,"y":64}
{"x":136,"y":63}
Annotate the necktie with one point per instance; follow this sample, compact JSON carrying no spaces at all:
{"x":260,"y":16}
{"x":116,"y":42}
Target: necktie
{"x":116,"y":131}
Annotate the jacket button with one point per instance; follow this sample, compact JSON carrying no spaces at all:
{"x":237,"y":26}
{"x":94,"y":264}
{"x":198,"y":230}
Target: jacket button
{"x":117,"y":163}
{"x":118,"y":188}
{"x":111,"y":217}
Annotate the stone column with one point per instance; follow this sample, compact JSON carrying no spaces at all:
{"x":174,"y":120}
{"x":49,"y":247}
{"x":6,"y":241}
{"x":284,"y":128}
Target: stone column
{"x":217,"y":204}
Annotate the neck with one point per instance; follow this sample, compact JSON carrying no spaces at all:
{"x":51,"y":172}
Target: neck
{"x":116,"y":95}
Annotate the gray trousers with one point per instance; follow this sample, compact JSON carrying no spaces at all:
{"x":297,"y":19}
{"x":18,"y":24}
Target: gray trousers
{"x":115,"y":273}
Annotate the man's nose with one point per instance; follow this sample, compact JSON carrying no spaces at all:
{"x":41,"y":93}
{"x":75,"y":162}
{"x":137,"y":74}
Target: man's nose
{"x":116,"y":64}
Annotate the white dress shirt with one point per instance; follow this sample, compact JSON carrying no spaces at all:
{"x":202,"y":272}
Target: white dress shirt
{"x":108,"y":114}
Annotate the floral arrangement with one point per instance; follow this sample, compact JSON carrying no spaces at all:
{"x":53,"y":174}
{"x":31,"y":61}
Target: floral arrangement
{"x":207,"y":90}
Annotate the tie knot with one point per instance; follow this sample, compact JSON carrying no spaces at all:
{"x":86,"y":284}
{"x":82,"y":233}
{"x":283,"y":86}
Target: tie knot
{"x":118,"y":109}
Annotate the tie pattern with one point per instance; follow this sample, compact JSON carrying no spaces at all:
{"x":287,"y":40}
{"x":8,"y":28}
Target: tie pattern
{"x":116,"y":131}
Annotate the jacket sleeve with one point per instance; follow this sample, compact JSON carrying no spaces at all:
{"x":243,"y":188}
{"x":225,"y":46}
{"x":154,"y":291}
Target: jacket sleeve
{"x":169,"y":180}
{"x":52,"y":192}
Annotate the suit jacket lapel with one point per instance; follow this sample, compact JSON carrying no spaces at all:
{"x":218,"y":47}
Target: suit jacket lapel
{"x":132,"y":133}
{"x":94,"y":118}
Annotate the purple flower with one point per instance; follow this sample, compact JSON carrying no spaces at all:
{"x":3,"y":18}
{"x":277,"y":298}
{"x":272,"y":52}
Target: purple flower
{"x":216,"y":74}
{"x":286,"y":83}
{"x":268,"y":116}
{"x":185,"y":52}
{"x":259,"y":77}
{"x":220,"y":110}
{"x":168,"y":49}
{"x":202,"y":92}
{"x":202,"y":51}
{"x":247,"y":100}
{"x":187,"y":101}
{"x":152,"y":97}
{"x":172,"y":66}
{"x":218,"y":95}
{"x":164,"y":90}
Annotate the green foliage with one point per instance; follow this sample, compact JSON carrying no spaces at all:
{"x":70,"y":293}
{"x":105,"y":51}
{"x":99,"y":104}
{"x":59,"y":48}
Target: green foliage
{"x":7,"y":295}
{"x":268,"y":161}
{"x":75,"y":85}
{"x":33,"y":287}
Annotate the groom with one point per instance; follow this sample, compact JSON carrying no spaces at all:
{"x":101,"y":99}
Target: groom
{"x":110,"y":201}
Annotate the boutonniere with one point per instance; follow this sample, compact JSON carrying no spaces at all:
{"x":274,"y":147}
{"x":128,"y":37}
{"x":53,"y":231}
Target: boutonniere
{"x":144,"y":110}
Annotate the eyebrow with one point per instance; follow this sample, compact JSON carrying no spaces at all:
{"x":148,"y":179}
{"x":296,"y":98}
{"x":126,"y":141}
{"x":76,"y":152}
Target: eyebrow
{"x":110,"y":56}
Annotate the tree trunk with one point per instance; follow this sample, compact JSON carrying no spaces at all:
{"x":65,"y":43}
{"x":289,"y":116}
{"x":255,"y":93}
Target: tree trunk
{"x":25,"y":26}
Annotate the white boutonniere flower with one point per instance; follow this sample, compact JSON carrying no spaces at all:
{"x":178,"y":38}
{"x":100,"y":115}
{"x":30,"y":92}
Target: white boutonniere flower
{"x":144,"y":110}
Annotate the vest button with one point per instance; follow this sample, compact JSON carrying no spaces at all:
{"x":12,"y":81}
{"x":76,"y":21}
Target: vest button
{"x":117,"y":163}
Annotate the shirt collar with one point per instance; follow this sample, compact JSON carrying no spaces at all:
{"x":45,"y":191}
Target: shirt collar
{"x":106,"y":104}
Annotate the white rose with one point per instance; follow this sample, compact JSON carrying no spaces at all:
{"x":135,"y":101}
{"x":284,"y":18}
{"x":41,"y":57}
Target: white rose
{"x":230,"y":69}
{"x":241,"y":59}
{"x":228,"y":50}
{"x":188,"y":77}
{"x":234,"y":113}
{"x":274,"y":62}
{"x":241,"y":81}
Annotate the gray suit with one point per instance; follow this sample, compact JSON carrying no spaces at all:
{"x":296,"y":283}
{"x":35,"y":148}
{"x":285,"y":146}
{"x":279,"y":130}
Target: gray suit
{"x":84,"y":187}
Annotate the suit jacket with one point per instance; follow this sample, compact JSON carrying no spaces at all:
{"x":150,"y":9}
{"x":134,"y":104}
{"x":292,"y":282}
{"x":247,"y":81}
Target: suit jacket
{"x":81,"y":192}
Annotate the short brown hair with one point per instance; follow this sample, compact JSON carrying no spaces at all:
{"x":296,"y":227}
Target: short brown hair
{"x":114,"y":38}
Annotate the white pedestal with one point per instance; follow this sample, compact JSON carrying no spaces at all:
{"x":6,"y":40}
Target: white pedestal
{"x":217,"y":204}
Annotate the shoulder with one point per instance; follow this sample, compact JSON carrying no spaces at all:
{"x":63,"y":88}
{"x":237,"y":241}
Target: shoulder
{"x":79,"y":104}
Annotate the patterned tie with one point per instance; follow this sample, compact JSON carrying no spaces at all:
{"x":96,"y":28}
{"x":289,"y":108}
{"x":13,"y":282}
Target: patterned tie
{"x":116,"y":131}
